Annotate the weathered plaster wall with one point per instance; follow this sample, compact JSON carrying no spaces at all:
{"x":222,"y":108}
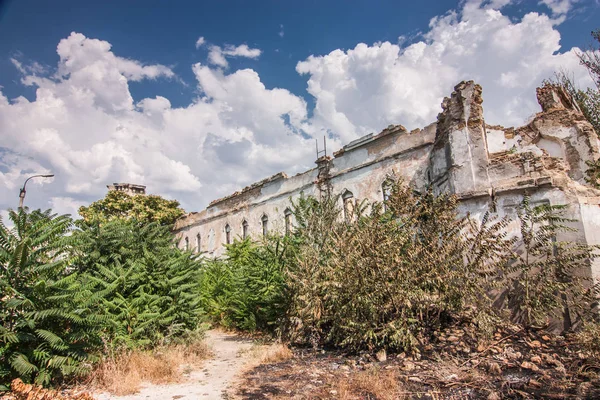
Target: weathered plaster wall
{"x":490,"y":168}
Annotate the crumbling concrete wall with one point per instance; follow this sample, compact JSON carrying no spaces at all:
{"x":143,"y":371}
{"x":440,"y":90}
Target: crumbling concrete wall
{"x":490,"y":168}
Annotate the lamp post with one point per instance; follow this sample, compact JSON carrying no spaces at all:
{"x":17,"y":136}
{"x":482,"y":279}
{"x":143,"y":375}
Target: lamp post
{"x":23,"y":191}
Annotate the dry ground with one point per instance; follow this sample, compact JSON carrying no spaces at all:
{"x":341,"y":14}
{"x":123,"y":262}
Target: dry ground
{"x":514,"y":364}
{"x":230,"y":353}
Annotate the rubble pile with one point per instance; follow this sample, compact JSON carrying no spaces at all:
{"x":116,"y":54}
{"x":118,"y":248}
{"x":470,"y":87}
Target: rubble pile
{"x":25,"y":391}
{"x":457,"y":363}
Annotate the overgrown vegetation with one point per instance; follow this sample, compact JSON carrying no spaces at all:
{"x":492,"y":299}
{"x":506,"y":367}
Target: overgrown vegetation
{"x":142,"y":208}
{"x":44,"y":332}
{"x":391,"y":276}
{"x":143,"y":287}
{"x":70,"y":295}
{"x":381,"y":276}
{"x":246,"y":290}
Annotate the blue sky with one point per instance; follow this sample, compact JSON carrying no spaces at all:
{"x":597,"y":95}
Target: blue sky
{"x":304,"y":74}
{"x":165,"y":32}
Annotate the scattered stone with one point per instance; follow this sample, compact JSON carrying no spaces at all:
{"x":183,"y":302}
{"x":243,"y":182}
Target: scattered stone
{"x":535,"y":383}
{"x":494,"y":368}
{"x":530,"y":366}
{"x":536,"y":359}
{"x":452,"y":338}
{"x":408,"y":366}
{"x":512,"y":355}
{"x":536,"y":344}
{"x":415,"y":379}
{"x":381,"y":355}
{"x":494,"y":396}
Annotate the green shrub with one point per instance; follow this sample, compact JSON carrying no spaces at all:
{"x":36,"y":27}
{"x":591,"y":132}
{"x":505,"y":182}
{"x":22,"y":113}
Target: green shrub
{"x":67,"y":294}
{"x":138,"y":281}
{"x":385,"y":278}
{"x":45,"y":333}
{"x":246,"y":289}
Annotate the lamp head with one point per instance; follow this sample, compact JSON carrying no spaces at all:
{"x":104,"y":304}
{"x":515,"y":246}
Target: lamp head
{"x":48,"y":176}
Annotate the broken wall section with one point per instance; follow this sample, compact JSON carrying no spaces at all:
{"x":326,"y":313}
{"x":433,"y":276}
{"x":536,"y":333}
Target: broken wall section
{"x":492,"y":168}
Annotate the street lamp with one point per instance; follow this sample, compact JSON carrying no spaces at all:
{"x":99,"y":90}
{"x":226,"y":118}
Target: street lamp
{"x":22,"y":192}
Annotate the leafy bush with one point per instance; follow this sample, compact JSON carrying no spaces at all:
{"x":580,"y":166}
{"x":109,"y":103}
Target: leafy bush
{"x":246,"y":289}
{"x":389,"y":277}
{"x":143,"y":286}
{"x":45,"y":333}
{"x":67,"y":295}
{"x":383,"y":279}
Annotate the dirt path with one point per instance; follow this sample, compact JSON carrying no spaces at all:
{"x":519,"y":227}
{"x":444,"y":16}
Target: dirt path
{"x":209,"y":382}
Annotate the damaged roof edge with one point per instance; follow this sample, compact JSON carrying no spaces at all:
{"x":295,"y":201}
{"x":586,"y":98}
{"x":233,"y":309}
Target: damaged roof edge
{"x":357,"y":143}
{"x":273,"y":178}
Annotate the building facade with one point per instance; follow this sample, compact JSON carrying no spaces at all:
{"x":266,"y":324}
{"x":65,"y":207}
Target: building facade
{"x":129,"y":188}
{"x":489,"y":168}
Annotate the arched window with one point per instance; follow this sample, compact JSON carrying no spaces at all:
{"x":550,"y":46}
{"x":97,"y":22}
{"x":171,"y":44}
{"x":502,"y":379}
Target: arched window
{"x":265,"y":224}
{"x":227,"y":234}
{"x":244,"y":229}
{"x":348,"y":201}
{"x":288,"y":221}
{"x":211,"y":240}
{"x":187,"y":243}
{"x":198,"y":243}
{"x":386,"y":189}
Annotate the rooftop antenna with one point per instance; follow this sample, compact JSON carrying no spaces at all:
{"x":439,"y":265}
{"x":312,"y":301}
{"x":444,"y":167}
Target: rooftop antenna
{"x":323,"y":152}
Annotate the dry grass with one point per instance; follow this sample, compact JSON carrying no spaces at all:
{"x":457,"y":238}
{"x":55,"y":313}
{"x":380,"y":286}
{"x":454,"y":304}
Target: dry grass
{"x":123,"y":373}
{"x":267,"y":354}
{"x":374,"y":383}
{"x":274,"y":353}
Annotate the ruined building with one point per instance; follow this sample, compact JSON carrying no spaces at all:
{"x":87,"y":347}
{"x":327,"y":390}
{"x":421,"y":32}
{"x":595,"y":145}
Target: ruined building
{"x":129,"y":188}
{"x":489,"y":168}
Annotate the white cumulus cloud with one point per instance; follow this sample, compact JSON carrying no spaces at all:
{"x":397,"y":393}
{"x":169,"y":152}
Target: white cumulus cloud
{"x":364,"y":89}
{"x":200,"y":42}
{"x":217,"y":55}
{"x":559,"y":7}
{"x":84,"y":126}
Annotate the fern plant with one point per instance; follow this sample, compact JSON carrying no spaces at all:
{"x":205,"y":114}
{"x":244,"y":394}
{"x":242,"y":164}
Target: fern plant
{"x":247,"y":289}
{"x":44,"y":332}
{"x":144,"y":288}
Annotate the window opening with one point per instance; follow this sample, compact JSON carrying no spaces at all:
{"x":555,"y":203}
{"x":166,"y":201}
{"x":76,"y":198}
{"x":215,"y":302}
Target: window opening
{"x":244,"y":229}
{"x":265,"y":225}
{"x":288,"y":221}
{"x":348,"y":201}
{"x":227,"y":234}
